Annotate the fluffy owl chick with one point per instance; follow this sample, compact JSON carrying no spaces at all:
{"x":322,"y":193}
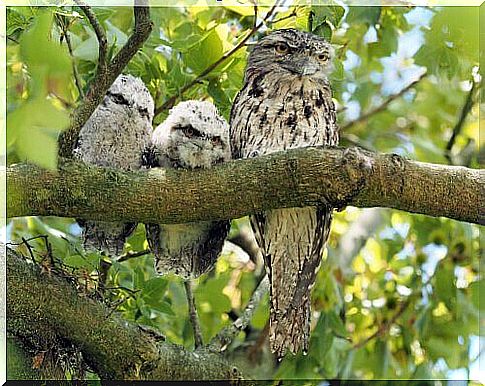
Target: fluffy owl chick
{"x":193,"y":136}
{"x":115,"y":136}
{"x":285,"y":103}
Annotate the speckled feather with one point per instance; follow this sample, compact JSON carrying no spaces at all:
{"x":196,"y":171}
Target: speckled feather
{"x":115,"y":136}
{"x":193,"y":136}
{"x":286,"y":102}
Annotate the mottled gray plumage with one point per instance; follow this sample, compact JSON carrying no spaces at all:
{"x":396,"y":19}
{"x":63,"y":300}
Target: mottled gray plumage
{"x":193,"y":136}
{"x":115,"y":136}
{"x":286,"y":102}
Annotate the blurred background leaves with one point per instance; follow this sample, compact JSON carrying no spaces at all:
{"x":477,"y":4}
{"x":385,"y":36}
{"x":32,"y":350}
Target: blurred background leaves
{"x":399,"y":301}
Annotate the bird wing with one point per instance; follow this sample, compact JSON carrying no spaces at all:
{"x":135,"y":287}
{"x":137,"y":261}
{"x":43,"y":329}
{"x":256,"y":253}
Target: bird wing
{"x":297,"y":237}
{"x":211,"y":247}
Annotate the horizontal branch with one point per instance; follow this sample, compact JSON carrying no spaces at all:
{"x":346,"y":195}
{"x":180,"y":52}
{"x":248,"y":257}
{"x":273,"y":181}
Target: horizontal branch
{"x":295,"y":178}
{"x":43,"y":307}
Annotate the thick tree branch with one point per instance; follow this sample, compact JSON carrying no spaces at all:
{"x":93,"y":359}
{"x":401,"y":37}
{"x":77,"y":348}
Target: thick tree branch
{"x":43,"y":307}
{"x":106,"y":73}
{"x":298,"y":177}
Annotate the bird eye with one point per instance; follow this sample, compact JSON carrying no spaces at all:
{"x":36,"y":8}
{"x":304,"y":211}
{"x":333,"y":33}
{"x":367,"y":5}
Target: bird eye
{"x":216,"y":141}
{"x":323,"y":57}
{"x":282,"y":48}
{"x":118,"y":99}
{"x":188,"y":131}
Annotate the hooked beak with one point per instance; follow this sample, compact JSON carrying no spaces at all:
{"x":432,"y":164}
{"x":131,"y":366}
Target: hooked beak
{"x":305,"y":67}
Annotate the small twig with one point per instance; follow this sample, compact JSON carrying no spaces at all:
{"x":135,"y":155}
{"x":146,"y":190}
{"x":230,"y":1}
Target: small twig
{"x":383,"y":105}
{"x":130,"y":291}
{"x":24,"y":239}
{"x":384,"y":328}
{"x":255,"y":14}
{"x":132,"y":255}
{"x":12,"y":39}
{"x":222,"y":340}
{"x":48,"y":247}
{"x":64,"y":102}
{"x":292,"y":14}
{"x":194,"y":319}
{"x":65,"y":35}
{"x":353,"y":140}
{"x":100,"y":34}
{"x":114,"y":306}
{"x":29,"y":248}
{"x":467,"y":107}
{"x":171,"y":101}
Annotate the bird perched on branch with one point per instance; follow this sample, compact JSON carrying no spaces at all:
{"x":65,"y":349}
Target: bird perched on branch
{"x":286,"y":102}
{"x":115,"y":136}
{"x":193,"y":136}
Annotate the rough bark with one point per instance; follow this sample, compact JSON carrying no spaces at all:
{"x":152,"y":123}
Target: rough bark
{"x":298,"y":177}
{"x":44,"y":308}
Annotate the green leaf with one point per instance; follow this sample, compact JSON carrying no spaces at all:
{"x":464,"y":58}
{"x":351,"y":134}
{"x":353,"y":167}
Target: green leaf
{"x":241,"y":10}
{"x":43,"y":55}
{"x":331,"y":13}
{"x":15,"y":21}
{"x":211,"y":293}
{"x":448,"y":349}
{"x":368,"y":15}
{"x":34,"y":127}
{"x":324,"y":30}
{"x":204,"y":52}
{"x":336,"y":324}
{"x":155,"y":288}
{"x":445,"y":284}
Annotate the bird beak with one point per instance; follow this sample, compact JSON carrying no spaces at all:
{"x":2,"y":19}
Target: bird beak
{"x":308,"y":69}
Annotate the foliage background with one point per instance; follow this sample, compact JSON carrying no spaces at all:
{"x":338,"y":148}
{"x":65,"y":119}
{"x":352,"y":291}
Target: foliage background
{"x":401,"y":303}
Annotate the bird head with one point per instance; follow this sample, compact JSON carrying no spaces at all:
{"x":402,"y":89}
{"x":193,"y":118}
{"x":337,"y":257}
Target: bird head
{"x":292,"y":52}
{"x":131,"y":93}
{"x":194,"y":135}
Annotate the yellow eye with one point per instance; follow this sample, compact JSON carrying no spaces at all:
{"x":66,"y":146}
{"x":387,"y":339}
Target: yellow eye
{"x":323,"y":57}
{"x":282,"y":48}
